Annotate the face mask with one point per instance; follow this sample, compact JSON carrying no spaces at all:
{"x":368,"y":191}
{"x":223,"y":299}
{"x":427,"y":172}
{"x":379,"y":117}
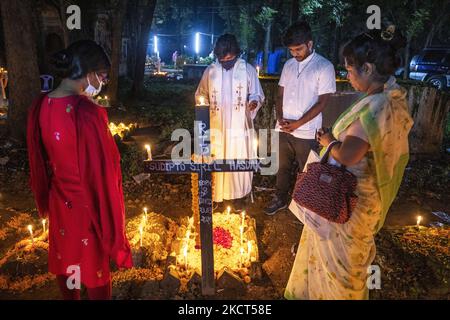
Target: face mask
{"x":91,"y":90}
{"x":227,"y":65}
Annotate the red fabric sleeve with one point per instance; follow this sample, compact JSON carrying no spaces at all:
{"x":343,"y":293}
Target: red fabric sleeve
{"x":99,"y":163}
{"x":39,"y":175}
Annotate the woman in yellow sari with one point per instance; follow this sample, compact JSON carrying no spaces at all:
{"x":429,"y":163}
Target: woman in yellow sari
{"x":372,"y":143}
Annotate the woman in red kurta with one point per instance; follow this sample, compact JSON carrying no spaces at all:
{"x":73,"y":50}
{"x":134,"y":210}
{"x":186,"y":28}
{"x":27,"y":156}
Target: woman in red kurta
{"x":76,"y":176}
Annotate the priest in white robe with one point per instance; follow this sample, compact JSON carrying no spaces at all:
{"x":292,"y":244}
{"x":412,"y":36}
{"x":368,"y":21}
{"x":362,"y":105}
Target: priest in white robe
{"x":232,"y":89}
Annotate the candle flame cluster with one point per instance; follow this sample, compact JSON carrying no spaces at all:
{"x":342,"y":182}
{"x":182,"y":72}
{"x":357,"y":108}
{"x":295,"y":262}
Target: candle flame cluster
{"x":234,"y":246}
{"x":31,"y":231}
{"x":102,"y":100}
{"x":120,"y":129}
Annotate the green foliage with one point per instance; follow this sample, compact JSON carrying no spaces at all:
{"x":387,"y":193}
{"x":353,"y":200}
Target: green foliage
{"x":206,"y":60}
{"x":416,"y":22}
{"x":266,"y":16}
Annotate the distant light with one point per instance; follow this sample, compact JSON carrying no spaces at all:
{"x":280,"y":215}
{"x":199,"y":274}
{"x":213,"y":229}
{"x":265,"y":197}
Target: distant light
{"x":155,"y":44}
{"x":197,"y":42}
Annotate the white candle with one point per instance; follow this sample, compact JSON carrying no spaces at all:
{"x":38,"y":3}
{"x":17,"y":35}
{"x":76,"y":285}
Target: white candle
{"x":141,"y":232}
{"x":149,"y":152}
{"x":145,"y":214}
{"x":228,"y":210}
{"x":419,"y":219}
{"x":43,"y":225}
{"x":30,"y":228}
{"x":188,"y":235}
{"x":241,"y":232}
{"x":243,"y":218}
{"x":185,"y":251}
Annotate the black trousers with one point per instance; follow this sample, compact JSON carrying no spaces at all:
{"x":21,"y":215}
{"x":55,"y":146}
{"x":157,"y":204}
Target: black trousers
{"x":293,"y":155}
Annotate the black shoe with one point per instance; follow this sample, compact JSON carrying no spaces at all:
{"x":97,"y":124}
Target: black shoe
{"x":274,"y":206}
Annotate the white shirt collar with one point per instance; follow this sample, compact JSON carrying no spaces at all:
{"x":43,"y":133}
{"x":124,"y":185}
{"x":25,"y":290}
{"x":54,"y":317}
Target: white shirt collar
{"x":307,"y":59}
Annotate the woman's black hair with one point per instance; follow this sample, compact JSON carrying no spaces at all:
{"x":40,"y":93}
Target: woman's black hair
{"x":297,"y":34}
{"x":226,"y":44}
{"x":79,"y":59}
{"x":376,"y":47}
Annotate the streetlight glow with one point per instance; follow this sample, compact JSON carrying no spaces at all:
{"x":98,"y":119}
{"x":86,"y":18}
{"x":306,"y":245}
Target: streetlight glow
{"x":197,"y":42}
{"x":155,"y":44}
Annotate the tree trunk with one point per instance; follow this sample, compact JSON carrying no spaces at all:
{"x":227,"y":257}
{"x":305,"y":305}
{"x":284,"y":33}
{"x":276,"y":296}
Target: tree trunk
{"x":337,"y":41}
{"x":295,"y":10}
{"x":133,"y":25}
{"x":406,"y":57}
{"x":21,"y":57}
{"x":430,"y":36}
{"x":146,"y":18}
{"x":267,"y":47}
{"x":116,"y":50}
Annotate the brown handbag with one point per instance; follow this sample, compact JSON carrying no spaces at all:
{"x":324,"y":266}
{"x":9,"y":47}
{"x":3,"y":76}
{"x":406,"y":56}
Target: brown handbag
{"x":327,"y":190}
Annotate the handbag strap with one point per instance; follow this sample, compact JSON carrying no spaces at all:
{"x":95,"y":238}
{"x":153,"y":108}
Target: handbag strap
{"x":327,"y":153}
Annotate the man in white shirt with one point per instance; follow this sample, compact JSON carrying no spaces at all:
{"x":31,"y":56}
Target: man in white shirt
{"x":306,"y":82}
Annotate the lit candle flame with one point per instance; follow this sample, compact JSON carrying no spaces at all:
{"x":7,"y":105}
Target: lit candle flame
{"x":241,"y":232}
{"x":419,"y":220}
{"x":149,"y":152}
{"x":243,"y":218}
{"x":202,"y":100}
{"x":228,"y":210}
{"x":30,"y":229}
{"x":145,"y":214}
{"x":258,"y":70}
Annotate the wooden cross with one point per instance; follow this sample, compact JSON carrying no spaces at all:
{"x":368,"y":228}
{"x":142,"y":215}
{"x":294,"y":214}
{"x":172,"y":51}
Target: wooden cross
{"x":204,"y":170}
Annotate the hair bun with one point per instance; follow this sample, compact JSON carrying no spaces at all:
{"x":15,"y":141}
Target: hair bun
{"x":62,"y":59}
{"x":62,"y":62}
{"x":395,"y":39}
